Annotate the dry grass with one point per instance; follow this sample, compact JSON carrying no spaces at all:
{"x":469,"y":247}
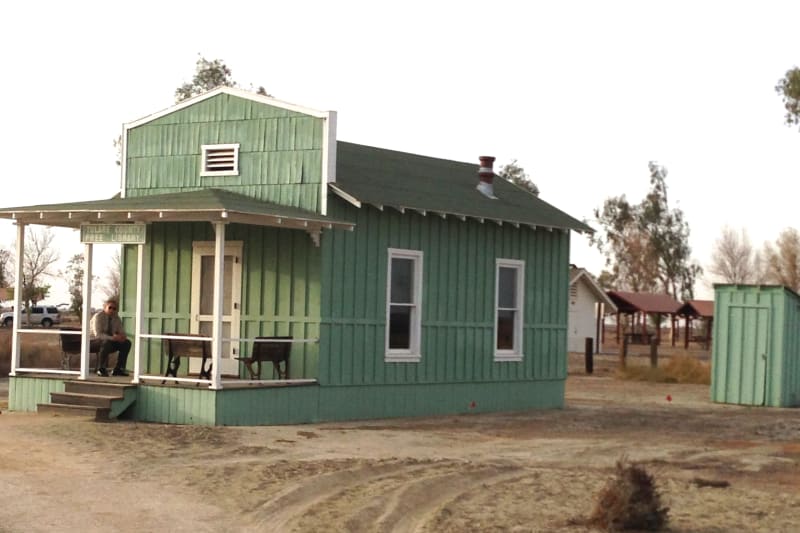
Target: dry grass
{"x":677,"y":369}
{"x":5,"y":354}
{"x":38,"y":351}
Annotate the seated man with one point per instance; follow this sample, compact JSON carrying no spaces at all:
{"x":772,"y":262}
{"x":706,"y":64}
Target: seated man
{"x":106,"y":329}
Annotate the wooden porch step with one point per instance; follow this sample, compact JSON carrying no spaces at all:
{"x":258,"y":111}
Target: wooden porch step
{"x":98,"y":413}
{"x":104,"y":388}
{"x":78,"y":398}
{"x":102,"y":400}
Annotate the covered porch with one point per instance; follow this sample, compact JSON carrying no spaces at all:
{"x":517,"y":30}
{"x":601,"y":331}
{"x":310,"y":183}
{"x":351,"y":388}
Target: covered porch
{"x":214,"y":318}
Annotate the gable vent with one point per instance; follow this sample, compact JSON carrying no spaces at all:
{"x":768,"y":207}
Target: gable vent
{"x":220,"y":160}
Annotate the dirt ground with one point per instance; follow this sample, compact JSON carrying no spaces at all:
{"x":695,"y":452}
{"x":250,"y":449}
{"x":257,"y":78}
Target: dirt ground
{"x":531,"y":471}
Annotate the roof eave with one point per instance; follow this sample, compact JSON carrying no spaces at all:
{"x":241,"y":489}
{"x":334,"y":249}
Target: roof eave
{"x":74,"y":218}
{"x":356,"y":202}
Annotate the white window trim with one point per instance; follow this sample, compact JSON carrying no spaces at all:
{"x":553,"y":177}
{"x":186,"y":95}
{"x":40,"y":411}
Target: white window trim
{"x":516,"y":353}
{"x":413,"y":354}
{"x":203,"y":154}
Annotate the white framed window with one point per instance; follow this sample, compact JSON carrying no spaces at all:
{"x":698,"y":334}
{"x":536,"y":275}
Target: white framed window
{"x":403,"y":305}
{"x":509,"y":302}
{"x":219,"y":160}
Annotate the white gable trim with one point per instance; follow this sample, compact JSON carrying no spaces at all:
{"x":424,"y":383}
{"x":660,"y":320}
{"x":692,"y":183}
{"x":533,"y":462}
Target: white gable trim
{"x":234,"y":92}
{"x":123,"y":155}
{"x":346,"y":197}
{"x":598,"y":292}
{"x":328,"y":159}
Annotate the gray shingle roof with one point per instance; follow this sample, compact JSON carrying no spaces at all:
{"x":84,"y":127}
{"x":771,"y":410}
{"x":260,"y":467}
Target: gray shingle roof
{"x":206,"y":204}
{"x":408,"y":181}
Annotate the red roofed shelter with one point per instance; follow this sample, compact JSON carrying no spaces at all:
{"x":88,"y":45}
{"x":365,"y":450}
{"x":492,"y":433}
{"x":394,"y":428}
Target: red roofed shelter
{"x":694,"y":310}
{"x":637,"y":306}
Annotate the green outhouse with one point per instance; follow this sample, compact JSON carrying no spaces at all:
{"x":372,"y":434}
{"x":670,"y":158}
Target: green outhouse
{"x":756,"y":354}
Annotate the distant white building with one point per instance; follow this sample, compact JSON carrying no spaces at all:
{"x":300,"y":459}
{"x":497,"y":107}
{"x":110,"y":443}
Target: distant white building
{"x":588,"y":303}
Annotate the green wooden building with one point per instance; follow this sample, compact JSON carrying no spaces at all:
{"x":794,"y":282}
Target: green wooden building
{"x":410,"y":285}
{"x":756,"y":353}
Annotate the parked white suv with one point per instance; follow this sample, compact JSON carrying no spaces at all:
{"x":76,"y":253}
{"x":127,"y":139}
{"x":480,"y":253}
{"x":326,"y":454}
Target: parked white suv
{"x":40,"y":314}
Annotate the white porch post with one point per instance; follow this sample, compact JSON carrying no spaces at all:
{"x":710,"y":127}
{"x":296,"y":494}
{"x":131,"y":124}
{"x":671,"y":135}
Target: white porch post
{"x":86,"y":317}
{"x":216,"y":327}
{"x":17,"y":299}
{"x":139,"y":311}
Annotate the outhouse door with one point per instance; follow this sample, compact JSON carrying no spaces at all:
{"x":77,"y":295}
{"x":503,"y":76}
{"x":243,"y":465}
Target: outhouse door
{"x":750,"y":353}
{"x":203,"y":300}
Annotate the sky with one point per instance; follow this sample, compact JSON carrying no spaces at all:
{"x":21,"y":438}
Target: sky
{"x":583,"y":94}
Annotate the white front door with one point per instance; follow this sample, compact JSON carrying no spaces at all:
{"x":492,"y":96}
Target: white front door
{"x":203,"y":300}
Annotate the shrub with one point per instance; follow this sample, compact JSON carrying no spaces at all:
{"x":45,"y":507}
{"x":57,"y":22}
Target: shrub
{"x":629,"y":500}
{"x":678,"y":369}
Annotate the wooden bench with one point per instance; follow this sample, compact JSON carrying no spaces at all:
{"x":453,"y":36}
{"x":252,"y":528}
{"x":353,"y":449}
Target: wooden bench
{"x":639,"y":338}
{"x":264,"y":350}
{"x":177,"y":348}
{"x":71,"y":345}
{"x":702,"y":340}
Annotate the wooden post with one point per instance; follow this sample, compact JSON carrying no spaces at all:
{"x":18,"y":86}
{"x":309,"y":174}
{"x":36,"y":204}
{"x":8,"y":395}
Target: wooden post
{"x":654,"y":353}
{"x":686,"y":330}
{"x":623,"y":351}
{"x":589,"y":353}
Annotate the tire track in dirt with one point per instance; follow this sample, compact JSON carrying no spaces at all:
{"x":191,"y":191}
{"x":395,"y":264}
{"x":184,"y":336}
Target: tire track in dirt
{"x":401,"y":496}
{"x":297,"y":499}
{"x":413,"y":507}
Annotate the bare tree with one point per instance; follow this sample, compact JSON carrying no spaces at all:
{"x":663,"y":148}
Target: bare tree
{"x":783,"y":260}
{"x":111,"y":283}
{"x":37,"y":263}
{"x":5,"y":272}
{"x":734,"y":259}
{"x":74,"y":276}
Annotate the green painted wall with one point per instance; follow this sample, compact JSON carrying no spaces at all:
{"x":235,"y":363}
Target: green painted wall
{"x":789,"y":377}
{"x":307,"y":403}
{"x":756,"y":351}
{"x":458,"y":299}
{"x":269,"y":406}
{"x":175,"y":405}
{"x":280,"y":288}
{"x":387,"y":401}
{"x":280,"y":153}
{"x":24,"y":393}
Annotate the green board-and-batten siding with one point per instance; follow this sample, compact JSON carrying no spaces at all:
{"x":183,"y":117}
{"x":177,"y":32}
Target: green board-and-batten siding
{"x":756,"y":350}
{"x":25,"y":393}
{"x":457,"y":299}
{"x":307,"y":403}
{"x":280,"y":288}
{"x":280,"y":151}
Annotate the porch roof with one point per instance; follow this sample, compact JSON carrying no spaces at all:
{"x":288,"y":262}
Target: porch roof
{"x":646,"y":302}
{"x":402,"y":181}
{"x":212,"y":205}
{"x":697,"y":308}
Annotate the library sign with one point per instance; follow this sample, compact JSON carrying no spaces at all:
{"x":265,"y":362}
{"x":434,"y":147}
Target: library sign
{"x":113,"y":233}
